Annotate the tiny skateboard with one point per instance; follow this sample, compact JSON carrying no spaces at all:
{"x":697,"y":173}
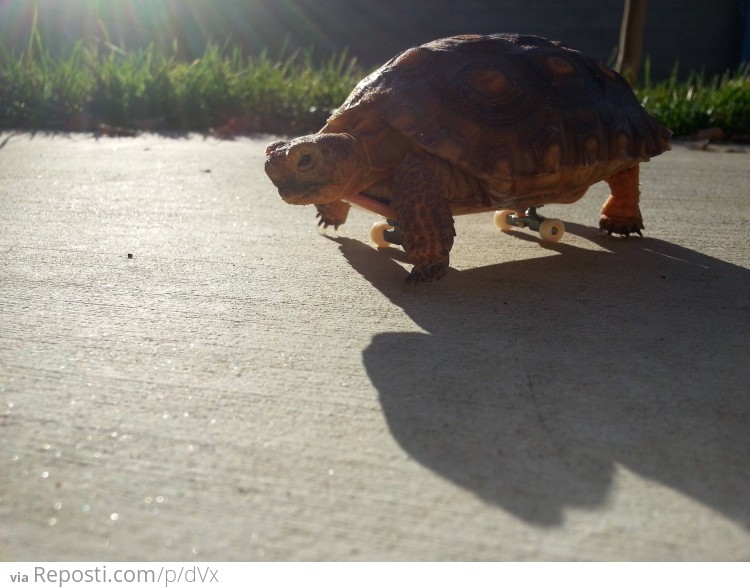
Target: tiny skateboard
{"x":385,"y":233}
{"x":549,"y":229}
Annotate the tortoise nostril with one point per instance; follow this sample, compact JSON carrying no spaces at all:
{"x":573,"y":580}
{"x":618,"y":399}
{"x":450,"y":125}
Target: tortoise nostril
{"x":273,"y":147}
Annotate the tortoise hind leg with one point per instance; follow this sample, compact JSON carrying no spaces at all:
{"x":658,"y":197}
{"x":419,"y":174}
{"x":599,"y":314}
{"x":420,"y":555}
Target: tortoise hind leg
{"x":620,"y":213}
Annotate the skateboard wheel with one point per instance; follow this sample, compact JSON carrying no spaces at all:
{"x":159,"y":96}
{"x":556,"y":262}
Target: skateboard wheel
{"x":377,"y":234}
{"x":551,"y":230}
{"x":501,"y":219}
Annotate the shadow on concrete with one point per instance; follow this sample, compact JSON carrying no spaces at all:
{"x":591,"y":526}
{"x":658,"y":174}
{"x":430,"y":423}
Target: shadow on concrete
{"x":535,"y":379}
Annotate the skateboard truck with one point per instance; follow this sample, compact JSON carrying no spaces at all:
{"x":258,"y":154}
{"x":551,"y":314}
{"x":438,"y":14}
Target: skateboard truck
{"x":549,"y":229}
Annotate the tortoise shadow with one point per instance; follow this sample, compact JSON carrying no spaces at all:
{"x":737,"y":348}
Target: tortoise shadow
{"x":536,"y":379}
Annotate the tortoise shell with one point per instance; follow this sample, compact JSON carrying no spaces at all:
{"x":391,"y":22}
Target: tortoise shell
{"x":525,"y":114}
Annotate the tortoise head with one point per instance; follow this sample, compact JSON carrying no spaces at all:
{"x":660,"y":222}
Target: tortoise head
{"x":315,"y":169}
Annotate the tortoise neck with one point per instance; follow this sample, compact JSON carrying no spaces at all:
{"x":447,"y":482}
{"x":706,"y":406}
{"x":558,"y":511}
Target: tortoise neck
{"x":360,"y":178}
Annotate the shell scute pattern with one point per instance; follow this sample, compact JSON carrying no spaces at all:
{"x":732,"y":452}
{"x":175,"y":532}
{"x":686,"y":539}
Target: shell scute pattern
{"x":508,"y":107}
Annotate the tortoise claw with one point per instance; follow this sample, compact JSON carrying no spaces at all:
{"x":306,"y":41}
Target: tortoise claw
{"x":621,"y":225}
{"x":332,"y":214}
{"x":324,"y":223}
{"x":324,"y":226}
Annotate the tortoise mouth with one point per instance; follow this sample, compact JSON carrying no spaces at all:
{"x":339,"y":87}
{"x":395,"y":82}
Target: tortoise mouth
{"x":307,"y":193}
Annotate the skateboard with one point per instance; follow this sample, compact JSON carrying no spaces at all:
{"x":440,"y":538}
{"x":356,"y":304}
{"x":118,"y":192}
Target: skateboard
{"x":385,"y":233}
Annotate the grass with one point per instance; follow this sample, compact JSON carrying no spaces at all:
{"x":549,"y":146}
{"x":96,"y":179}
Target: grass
{"x":104,"y":85}
{"x":224,"y":89}
{"x":696,"y":103}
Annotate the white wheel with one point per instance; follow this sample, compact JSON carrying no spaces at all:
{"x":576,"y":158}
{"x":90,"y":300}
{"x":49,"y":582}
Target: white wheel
{"x":377,"y":234}
{"x":551,"y":230}
{"x":501,"y":219}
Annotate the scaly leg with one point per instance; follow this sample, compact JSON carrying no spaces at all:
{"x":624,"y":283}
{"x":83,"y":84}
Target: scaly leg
{"x":424,"y":218}
{"x":620,"y":213}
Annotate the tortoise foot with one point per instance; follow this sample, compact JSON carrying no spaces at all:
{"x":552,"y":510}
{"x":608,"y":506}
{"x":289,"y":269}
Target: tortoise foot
{"x":332,"y":214}
{"x":621,"y":225}
{"x":431,"y":272}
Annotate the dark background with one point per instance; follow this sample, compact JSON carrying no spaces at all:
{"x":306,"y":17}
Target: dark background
{"x":701,"y":35}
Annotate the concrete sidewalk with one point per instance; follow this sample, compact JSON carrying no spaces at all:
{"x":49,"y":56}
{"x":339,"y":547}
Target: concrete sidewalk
{"x":188,"y":370}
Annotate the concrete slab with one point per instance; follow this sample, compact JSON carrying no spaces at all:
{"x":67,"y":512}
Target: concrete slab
{"x":189,"y":371}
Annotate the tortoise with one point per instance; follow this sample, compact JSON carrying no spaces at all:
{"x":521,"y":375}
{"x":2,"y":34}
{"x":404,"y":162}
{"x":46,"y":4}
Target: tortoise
{"x":468,"y":124}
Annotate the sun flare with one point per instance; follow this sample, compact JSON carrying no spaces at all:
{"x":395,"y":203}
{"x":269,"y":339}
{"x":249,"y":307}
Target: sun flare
{"x":184,"y":25}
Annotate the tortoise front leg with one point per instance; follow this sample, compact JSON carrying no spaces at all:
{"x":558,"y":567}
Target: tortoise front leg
{"x":332,"y":214}
{"x":424,"y":218}
{"x":620,"y":213}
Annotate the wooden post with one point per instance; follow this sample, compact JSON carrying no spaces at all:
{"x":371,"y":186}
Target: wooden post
{"x":630,"y":53}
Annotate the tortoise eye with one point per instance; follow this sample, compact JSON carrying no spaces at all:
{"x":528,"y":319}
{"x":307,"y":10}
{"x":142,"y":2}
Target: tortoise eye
{"x":305,"y":161}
